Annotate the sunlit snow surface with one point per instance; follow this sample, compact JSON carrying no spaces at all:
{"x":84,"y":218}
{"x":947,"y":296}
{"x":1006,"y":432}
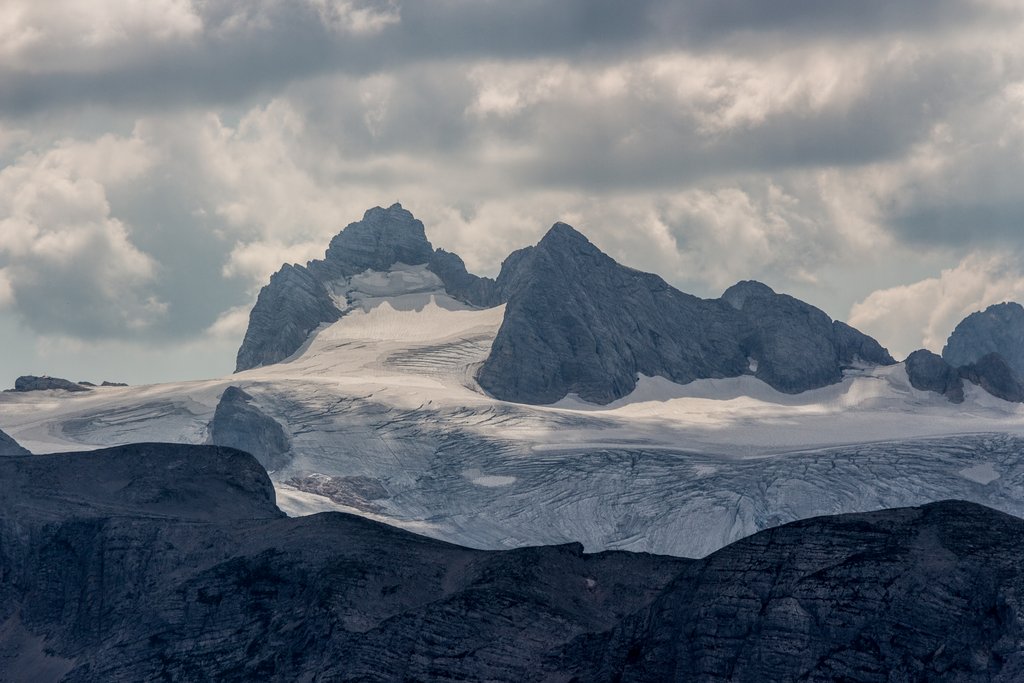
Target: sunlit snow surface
{"x":383,"y":407}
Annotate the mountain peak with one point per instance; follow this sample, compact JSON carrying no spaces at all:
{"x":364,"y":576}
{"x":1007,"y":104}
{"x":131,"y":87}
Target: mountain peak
{"x":383,"y":238}
{"x":563,"y":239}
{"x":737,"y":295}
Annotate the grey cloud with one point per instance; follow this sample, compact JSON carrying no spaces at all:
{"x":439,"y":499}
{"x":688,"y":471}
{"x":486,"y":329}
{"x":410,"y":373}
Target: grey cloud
{"x":236,"y":61}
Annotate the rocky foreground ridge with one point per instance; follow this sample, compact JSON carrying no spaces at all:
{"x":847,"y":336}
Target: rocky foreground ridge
{"x":9,"y":446}
{"x":576,"y":322}
{"x":158,"y":561}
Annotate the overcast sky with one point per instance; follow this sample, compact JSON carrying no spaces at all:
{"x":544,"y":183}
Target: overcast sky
{"x":160,"y":159}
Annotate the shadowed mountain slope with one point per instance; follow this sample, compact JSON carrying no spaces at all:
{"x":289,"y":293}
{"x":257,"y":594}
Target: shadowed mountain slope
{"x":168,"y":562}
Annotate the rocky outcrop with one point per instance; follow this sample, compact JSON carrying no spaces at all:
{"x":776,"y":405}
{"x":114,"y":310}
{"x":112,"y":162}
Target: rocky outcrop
{"x":928,"y":371}
{"x":997,"y":329}
{"x":9,"y":446}
{"x":114,"y":588}
{"x":163,"y":562}
{"x":153,"y":480}
{"x":993,"y":374}
{"x":239,"y":423}
{"x":930,"y":593}
{"x":45,"y":383}
{"x":796,"y":346}
{"x":578,"y":322}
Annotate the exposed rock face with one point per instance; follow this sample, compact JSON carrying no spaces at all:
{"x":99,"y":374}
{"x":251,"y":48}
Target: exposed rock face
{"x":114,"y":588}
{"x":796,"y":346}
{"x":993,"y":374}
{"x":172,"y":562}
{"x":997,"y":329}
{"x":33,"y":383}
{"x":929,"y":593}
{"x":578,"y":322}
{"x":927,"y":371}
{"x":296,"y":302}
{"x":238,"y":423}
{"x":853,"y":346}
{"x":9,"y":446}
{"x":169,"y":481}
{"x":287,"y":310}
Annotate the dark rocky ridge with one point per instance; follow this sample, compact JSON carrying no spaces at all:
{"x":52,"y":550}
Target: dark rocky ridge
{"x":239,"y":423}
{"x":997,"y":329}
{"x":9,"y":446}
{"x":797,"y":346}
{"x":578,"y":322}
{"x":34,"y":383}
{"x":171,"y":562}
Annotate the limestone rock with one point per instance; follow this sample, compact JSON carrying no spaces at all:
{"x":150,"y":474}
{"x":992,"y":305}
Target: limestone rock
{"x":928,"y":371}
{"x":578,"y":322}
{"x":166,"y":562}
{"x":795,"y":345}
{"x":997,"y":329}
{"x":239,"y":423}
{"x":993,"y":374}
{"x":287,"y":310}
{"x":928,"y":593}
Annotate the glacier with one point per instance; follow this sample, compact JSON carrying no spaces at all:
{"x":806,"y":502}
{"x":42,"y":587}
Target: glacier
{"x":386,"y":420}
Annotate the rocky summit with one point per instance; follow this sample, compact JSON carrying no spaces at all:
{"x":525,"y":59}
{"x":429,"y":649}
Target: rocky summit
{"x":166,"y":562}
{"x":577,"y":322}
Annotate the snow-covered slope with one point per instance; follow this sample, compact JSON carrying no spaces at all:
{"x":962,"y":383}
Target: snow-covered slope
{"x":385,"y":419}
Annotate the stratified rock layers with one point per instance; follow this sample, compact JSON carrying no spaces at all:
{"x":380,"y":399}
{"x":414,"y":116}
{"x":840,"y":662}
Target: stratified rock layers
{"x":160,"y":561}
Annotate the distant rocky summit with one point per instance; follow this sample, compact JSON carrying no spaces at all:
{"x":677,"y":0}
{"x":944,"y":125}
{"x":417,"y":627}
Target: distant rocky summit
{"x":9,"y":446}
{"x":576,"y":322}
{"x":44,"y":383}
{"x":170,"y":562}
